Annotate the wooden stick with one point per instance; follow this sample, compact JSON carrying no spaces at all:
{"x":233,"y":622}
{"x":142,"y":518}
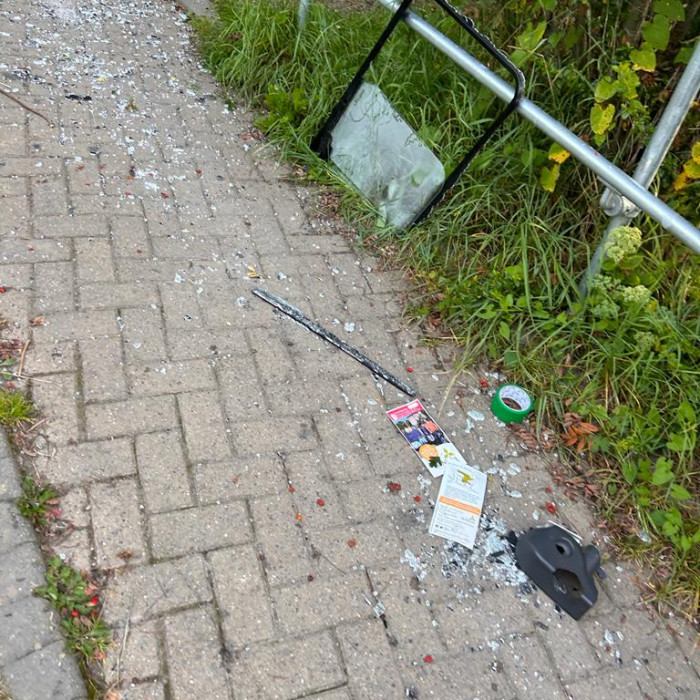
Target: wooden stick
{"x":27,"y":107}
{"x":21,"y":359}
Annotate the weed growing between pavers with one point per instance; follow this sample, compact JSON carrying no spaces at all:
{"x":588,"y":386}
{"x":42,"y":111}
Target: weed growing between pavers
{"x":38,"y":502}
{"x":15,"y":409}
{"x":76,"y":601}
{"x":499,"y":263}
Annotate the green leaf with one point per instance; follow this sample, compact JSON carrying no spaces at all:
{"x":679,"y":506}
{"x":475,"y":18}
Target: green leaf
{"x":548,"y":5}
{"x":487,"y":314}
{"x":629,"y":471}
{"x":514,"y":272}
{"x":643,"y":59}
{"x":629,"y":81}
{"x":511,"y":359}
{"x":686,"y":413}
{"x":692,"y":169}
{"x":684,"y":55}
{"x":695,"y":152}
{"x":531,"y":37}
{"x":573,"y":36}
{"x":673,"y":9}
{"x":677,"y":443}
{"x":549,"y":177}
{"x":670,"y":529}
{"x":504,"y":330}
{"x":601,"y":118}
{"x":658,"y":517}
{"x":679,"y":492}
{"x":558,"y":153}
{"x":519,"y":57}
{"x":631,"y":262}
{"x":663,"y":472}
{"x":605,"y":89}
{"x":657,"y":32}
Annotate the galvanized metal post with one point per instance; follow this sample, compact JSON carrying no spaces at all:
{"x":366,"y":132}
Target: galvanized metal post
{"x":610,"y":174}
{"x":669,"y":124}
{"x":303,"y":11}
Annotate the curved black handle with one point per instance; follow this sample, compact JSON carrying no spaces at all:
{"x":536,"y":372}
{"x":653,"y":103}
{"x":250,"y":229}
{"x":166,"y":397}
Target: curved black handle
{"x":468,"y":24}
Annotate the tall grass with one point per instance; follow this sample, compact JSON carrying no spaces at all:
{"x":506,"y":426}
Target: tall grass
{"x":500,"y":261}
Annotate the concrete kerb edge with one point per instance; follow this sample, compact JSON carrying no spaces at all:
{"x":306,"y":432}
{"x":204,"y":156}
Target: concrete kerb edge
{"x":33,"y":666}
{"x":203,"y":8}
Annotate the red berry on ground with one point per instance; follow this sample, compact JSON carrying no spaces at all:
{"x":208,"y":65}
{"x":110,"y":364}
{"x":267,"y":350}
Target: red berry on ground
{"x":550,"y":507}
{"x":320,"y":502}
{"x":352,"y":543}
{"x":409,"y":369}
{"x":428,"y":659}
{"x":416,"y":499}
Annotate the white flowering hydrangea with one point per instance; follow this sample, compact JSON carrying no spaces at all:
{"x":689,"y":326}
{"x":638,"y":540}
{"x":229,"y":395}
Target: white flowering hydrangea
{"x":638,"y":294}
{"x":645,"y":341}
{"x":603,"y":283}
{"x":622,"y":241}
{"x":605,"y":309}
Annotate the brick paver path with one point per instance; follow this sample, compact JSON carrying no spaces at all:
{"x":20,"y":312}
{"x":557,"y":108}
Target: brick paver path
{"x":192,"y":430}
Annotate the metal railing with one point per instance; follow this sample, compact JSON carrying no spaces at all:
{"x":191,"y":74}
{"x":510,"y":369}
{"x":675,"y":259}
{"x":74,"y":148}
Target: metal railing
{"x":617,"y":180}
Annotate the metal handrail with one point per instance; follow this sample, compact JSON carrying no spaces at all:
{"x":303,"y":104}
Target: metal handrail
{"x":610,"y":174}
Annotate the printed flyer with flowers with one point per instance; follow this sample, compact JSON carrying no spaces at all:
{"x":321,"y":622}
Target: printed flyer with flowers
{"x":426,"y":438}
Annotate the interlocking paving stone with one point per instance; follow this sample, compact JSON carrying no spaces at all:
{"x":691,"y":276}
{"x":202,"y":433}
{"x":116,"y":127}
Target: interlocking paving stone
{"x":194,"y":656}
{"x":241,"y":593}
{"x":163,"y":471}
{"x":91,"y":461}
{"x":367,"y":656}
{"x":288,"y":669}
{"x":199,"y":529}
{"x":116,"y":522}
{"x":204,"y":426}
{"x":143,"y":592}
{"x":286,"y":557}
{"x":131,"y":417}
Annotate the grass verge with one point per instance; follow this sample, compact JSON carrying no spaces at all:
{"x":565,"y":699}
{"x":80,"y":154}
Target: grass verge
{"x":499,"y":263}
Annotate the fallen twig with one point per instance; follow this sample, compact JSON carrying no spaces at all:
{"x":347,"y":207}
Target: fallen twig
{"x":21,"y":359}
{"x":32,"y":377}
{"x":27,"y":107}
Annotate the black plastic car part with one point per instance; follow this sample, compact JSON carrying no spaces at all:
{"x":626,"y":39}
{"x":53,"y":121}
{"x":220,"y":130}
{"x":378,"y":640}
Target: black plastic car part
{"x":563,"y":569}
